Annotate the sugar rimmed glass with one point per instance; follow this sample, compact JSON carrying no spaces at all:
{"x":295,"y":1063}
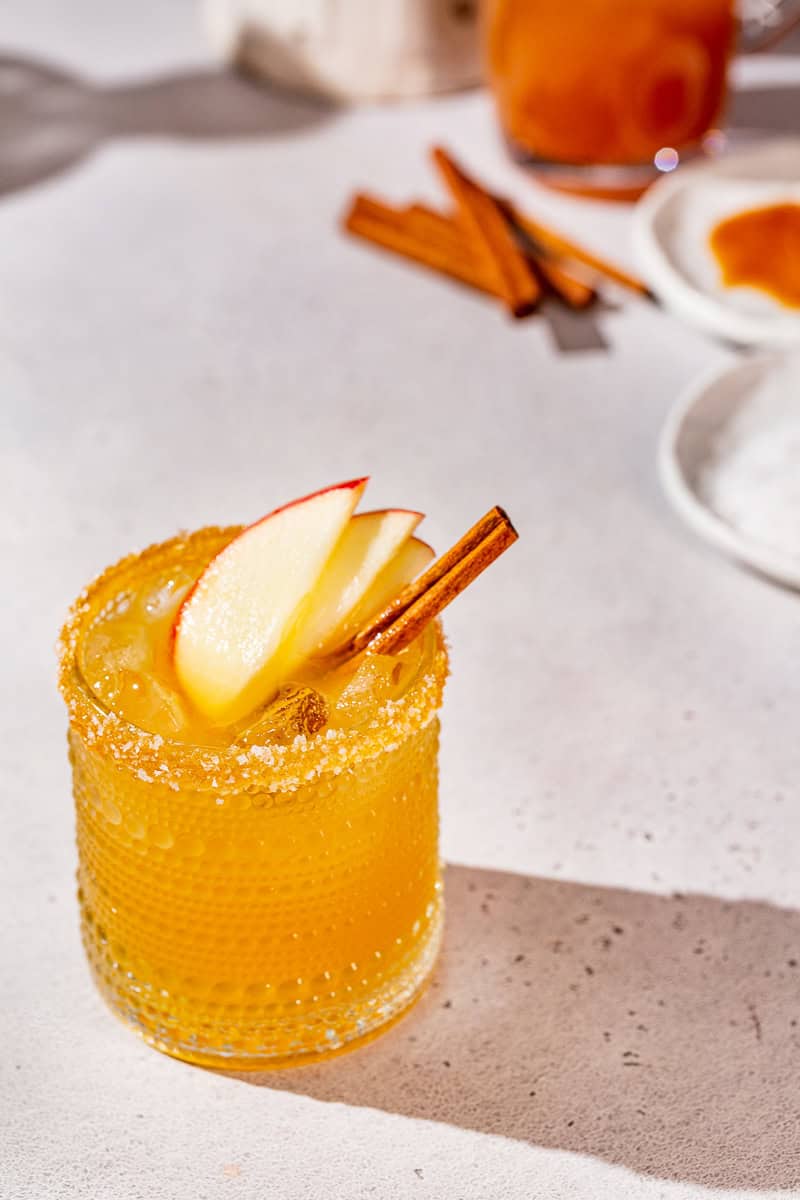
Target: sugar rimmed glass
{"x":259,"y":906}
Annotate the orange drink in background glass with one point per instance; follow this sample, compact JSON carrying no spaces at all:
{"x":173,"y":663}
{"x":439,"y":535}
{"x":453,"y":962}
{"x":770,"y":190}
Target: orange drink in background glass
{"x":248,"y":901}
{"x":591,"y":92}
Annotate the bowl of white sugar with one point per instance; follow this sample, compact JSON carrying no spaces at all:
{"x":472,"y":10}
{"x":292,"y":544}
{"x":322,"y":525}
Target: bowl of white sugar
{"x":729,"y":460}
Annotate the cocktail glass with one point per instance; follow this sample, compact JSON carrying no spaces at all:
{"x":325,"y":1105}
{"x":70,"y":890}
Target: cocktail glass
{"x":245,"y":905}
{"x":600,"y":96}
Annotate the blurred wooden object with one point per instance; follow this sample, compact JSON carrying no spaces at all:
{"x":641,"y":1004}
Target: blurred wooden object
{"x":351,"y":49}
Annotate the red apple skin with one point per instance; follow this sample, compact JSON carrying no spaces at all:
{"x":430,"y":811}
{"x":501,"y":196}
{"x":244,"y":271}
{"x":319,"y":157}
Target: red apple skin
{"x":173,"y":633}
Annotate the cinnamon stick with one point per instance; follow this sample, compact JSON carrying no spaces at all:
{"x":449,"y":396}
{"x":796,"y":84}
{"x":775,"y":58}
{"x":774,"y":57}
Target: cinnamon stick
{"x":405,"y":235}
{"x":549,"y":240}
{"x":482,"y":216}
{"x":574,"y":292}
{"x":441,"y":227}
{"x":440,"y":242}
{"x":432,"y":228}
{"x":473,"y":538}
{"x":467,"y":566}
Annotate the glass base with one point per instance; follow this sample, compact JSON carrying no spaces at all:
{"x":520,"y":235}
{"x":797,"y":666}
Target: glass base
{"x":257,"y":1042}
{"x":622,"y":182}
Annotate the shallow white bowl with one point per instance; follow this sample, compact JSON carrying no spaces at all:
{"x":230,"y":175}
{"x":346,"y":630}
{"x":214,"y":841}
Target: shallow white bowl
{"x":686,"y":446}
{"x":672,"y":224}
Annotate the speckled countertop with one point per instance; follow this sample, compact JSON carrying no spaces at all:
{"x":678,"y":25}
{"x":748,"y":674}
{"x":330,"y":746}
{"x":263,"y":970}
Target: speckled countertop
{"x":184,"y":339}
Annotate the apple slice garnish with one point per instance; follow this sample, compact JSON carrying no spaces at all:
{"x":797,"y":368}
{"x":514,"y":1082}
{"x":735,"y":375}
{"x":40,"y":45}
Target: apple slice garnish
{"x":369,"y":543}
{"x":410,"y":560}
{"x":234,"y":630}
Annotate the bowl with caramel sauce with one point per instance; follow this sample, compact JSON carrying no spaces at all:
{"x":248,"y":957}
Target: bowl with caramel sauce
{"x":719,"y":244}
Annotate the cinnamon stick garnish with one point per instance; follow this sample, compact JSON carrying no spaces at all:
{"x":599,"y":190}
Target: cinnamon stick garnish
{"x":483,"y":218}
{"x":404,"y":234}
{"x":404,"y":599}
{"x":468,"y":565}
{"x":443,"y":580}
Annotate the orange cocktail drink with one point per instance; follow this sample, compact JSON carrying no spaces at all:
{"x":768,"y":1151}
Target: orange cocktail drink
{"x":262,"y":891}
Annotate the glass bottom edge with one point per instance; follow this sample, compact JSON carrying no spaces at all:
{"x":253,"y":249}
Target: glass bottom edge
{"x":407,"y":988}
{"x":609,"y":181}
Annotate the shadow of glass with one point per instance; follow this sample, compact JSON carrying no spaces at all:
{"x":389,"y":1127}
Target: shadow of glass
{"x":50,"y":121}
{"x":658,"y":1033}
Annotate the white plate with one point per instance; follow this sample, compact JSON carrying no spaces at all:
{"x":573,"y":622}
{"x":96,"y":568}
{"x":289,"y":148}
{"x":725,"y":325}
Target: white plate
{"x":689,"y":443}
{"x":672,"y":224}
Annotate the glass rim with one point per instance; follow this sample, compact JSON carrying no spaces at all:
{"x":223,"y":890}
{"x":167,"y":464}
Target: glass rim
{"x":221,"y":770}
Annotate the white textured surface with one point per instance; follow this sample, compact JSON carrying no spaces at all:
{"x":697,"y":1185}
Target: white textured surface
{"x":185,"y":339}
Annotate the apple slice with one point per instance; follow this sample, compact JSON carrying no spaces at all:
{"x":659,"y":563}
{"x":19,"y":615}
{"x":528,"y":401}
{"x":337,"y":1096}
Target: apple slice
{"x":409,"y":561}
{"x":232,"y":632}
{"x":369,"y":543}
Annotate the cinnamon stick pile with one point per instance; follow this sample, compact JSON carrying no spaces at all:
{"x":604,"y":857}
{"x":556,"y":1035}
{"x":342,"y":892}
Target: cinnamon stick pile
{"x":487,"y":244}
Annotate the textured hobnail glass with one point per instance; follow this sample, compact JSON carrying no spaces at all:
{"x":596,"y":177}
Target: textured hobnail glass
{"x":259,"y":906}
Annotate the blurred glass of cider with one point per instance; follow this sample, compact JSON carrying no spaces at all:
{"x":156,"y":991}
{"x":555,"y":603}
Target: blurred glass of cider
{"x":608,"y":89}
